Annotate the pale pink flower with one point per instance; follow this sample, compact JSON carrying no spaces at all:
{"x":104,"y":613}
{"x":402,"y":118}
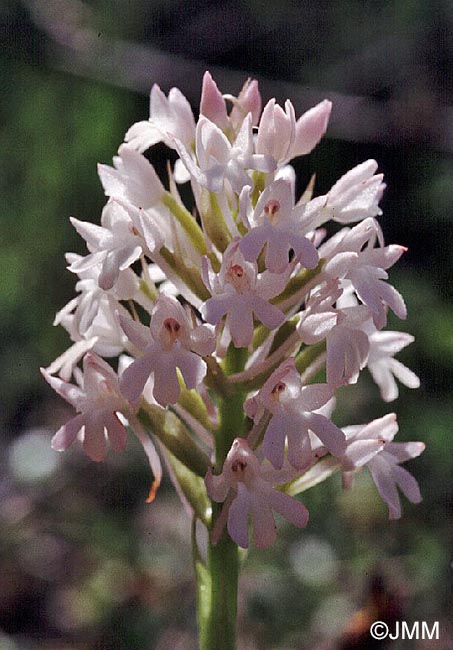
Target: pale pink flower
{"x":169,"y":343}
{"x":294,"y":410}
{"x":119,"y":242}
{"x":132,"y":179}
{"x":168,"y":117}
{"x":372,"y":446}
{"x":240,"y":294}
{"x":253,"y":497}
{"x":277,"y":224}
{"x":98,"y":402}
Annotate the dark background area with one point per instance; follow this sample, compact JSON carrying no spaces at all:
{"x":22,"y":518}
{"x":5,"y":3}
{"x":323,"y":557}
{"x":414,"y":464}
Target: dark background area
{"x":85,"y":564}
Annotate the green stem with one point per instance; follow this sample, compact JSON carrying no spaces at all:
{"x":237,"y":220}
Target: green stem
{"x":218,"y":627}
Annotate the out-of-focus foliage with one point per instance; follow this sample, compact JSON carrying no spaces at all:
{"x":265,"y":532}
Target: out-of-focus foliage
{"x":86,"y":564}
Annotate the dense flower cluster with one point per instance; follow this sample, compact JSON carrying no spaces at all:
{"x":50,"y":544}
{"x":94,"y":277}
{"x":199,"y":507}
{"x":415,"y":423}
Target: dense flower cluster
{"x":242,"y":299}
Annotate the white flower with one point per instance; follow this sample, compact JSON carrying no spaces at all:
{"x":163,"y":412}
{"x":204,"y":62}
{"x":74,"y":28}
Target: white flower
{"x":372,"y":445}
{"x":384,"y":368}
{"x":168,"y":117}
{"x":217,"y":160}
{"x":121,"y":239}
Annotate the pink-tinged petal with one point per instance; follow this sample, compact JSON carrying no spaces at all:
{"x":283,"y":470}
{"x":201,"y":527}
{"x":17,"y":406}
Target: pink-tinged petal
{"x":274,"y":439}
{"x":252,"y":243}
{"x":291,"y":509}
{"x":306,"y":252}
{"x":390,"y":343}
{"x":66,"y":362}
{"x":384,"y":380}
{"x":300,"y":454}
{"x":265,"y":137}
{"x":82,"y":264}
{"x":281,"y":190}
{"x":355,"y":176}
{"x":268,"y":314}
{"x":238,"y":517}
{"x":112,"y":181}
{"x":216,"y":307}
{"x":116,"y":261}
{"x":347,"y":354}
{"x":203,"y":340}
{"x":137,"y":333}
{"x":383,"y":258}
{"x":90,"y":232}
{"x":248,"y":101}
{"x":66,"y":434}
{"x":135,"y":376}
{"x":264,"y":528}
{"x":193,"y":368}
{"x":71,"y":393}
{"x":329,"y":434}
{"x":216,"y":486}
{"x":340,"y":264}
{"x":211,"y":144}
{"x":271,"y":284}
{"x":360,"y":452}
{"x":134,"y":179}
{"x":143,"y":185}
{"x":384,"y":428}
{"x":212,"y":104}
{"x":142,"y":135}
{"x":93,"y":364}
{"x":185,"y":123}
{"x":94,"y":440}
{"x":153,"y":238}
{"x":314,"y":396}
{"x":404,"y":374}
{"x":403,"y":451}
{"x":315,"y":327}
{"x":393,"y":299}
{"x":166,"y":385}
{"x":116,"y":431}
{"x":240,"y":323}
{"x":277,"y":251}
{"x":407,"y":484}
{"x":310,"y":128}
{"x":363,"y":201}
{"x":381,"y":473}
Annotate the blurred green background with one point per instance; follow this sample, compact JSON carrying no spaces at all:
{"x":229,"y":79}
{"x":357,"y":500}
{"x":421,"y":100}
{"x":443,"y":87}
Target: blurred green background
{"x":85,"y":564}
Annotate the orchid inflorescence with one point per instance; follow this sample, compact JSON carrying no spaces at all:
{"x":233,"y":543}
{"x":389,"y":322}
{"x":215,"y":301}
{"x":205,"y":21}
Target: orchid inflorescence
{"x":229,"y":310}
